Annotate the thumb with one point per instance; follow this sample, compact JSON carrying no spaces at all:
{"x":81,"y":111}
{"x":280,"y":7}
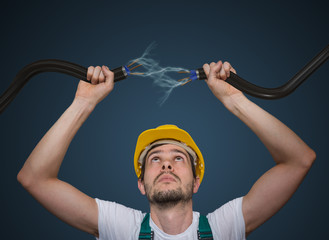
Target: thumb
{"x":214,"y":70}
{"x":109,"y":75}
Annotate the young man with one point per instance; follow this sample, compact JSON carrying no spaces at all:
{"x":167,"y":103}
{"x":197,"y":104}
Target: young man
{"x":170,"y":169}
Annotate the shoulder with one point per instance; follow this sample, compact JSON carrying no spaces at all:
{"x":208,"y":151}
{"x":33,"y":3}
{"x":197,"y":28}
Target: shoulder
{"x":228,"y":209}
{"x":227,"y":221}
{"x":117,"y":208}
{"x":116,"y":220}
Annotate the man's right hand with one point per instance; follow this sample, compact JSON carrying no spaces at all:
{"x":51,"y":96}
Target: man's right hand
{"x":102,"y":83}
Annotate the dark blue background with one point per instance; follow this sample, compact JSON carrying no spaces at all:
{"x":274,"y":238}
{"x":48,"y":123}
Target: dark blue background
{"x":267,"y":43}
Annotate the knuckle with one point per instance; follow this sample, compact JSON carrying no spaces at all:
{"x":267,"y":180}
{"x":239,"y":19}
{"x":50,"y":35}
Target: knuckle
{"x":90,"y":72}
{"x":90,"y":69}
{"x":227,"y":65}
{"x":206,"y":68}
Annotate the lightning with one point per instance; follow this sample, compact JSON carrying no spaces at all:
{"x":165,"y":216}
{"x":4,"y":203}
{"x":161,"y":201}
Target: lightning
{"x":161,"y":75}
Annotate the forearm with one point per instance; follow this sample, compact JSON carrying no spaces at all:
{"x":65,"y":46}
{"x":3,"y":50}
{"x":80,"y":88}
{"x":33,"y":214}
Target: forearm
{"x":283,"y":144}
{"x":46,"y":158}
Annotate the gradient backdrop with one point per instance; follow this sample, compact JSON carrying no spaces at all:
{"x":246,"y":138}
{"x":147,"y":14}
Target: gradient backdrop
{"x":267,"y":43}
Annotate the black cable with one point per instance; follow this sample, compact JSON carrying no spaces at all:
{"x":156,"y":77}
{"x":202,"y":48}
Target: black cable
{"x":278,"y":92}
{"x":49,"y":65}
{"x":120,"y":73}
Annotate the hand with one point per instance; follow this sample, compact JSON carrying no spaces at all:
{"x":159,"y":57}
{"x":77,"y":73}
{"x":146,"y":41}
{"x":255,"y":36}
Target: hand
{"x":102,"y":83}
{"x":217,"y":73}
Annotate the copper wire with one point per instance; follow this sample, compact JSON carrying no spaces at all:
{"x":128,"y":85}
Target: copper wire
{"x":132,"y":63}
{"x":186,"y":82}
{"x":184,"y":72}
{"x":182,"y":79}
{"x":135,"y":67}
{"x":137,"y":73}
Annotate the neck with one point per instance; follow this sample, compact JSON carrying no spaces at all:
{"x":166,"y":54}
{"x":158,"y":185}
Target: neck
{"x":173,"y":220}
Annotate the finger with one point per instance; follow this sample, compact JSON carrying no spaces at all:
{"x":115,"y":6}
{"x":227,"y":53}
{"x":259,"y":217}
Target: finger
{"x":101,"y":77}
{"x":90,"y":72}
{"x":95,"y":76}
{"x":109,"y":76}
{"x":206,"y":69}
{"x":227,"y":68}
{"x":222,"y":73}
{"x":233,"y":70}
{"x":215,"y":69}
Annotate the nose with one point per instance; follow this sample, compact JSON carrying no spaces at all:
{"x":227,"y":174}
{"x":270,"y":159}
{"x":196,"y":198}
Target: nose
{"x":166,"y":166}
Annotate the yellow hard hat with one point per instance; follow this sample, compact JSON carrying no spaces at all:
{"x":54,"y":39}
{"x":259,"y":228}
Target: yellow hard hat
{"x":167,"y":132}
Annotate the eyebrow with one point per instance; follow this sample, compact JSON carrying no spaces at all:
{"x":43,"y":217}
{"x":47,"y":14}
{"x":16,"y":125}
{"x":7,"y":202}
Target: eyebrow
{"x":173,"y":150}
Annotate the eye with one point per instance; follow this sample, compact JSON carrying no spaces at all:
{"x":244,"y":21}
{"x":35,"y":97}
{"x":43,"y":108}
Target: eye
{"x":155,"y":160}
{"x":179,"y":159}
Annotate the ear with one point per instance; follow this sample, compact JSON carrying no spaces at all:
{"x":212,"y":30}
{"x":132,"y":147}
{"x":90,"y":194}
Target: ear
{"x":141,"y":187}
{"x":196,"y":185}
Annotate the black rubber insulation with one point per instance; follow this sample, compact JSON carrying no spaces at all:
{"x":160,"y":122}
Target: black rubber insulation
{"x":278,"y":92}
{"x":80,"y":72}
{"x":49,"y":65}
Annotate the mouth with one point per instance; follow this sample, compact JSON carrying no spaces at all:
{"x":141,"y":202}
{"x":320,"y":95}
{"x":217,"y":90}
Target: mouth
{"x":167,"y":179}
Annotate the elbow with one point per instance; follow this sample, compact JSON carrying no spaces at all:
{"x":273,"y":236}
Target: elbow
{"x":308,"y":159}
{"x":24,"y":179}
{"x":30,"y":179}
{"x":21,"y":178}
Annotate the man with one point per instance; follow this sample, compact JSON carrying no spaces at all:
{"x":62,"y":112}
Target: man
{"x":170,"y":169}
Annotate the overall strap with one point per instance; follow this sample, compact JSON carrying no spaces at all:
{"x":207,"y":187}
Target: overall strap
{"x":146,"y":231}
{"x":204,"y":231}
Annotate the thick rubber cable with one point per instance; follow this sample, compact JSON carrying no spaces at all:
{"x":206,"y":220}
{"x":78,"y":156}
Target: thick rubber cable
{"x":47,"y":65}
{"x":80,"y":72}
{"x":278,"y":92}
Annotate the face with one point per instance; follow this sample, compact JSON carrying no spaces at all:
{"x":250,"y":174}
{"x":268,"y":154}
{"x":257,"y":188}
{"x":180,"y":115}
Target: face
{"x":168,"y":177}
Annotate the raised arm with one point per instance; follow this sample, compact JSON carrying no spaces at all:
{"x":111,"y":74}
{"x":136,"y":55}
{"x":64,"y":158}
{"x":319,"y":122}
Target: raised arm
{"x":292,"y":156}
{"x":39,"y":173}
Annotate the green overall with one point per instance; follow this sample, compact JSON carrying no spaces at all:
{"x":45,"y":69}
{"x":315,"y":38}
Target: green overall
{"x":204,"y":231}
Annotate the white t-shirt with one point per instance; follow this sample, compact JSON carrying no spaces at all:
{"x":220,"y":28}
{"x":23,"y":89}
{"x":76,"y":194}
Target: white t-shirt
{"x":116,"y":221}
